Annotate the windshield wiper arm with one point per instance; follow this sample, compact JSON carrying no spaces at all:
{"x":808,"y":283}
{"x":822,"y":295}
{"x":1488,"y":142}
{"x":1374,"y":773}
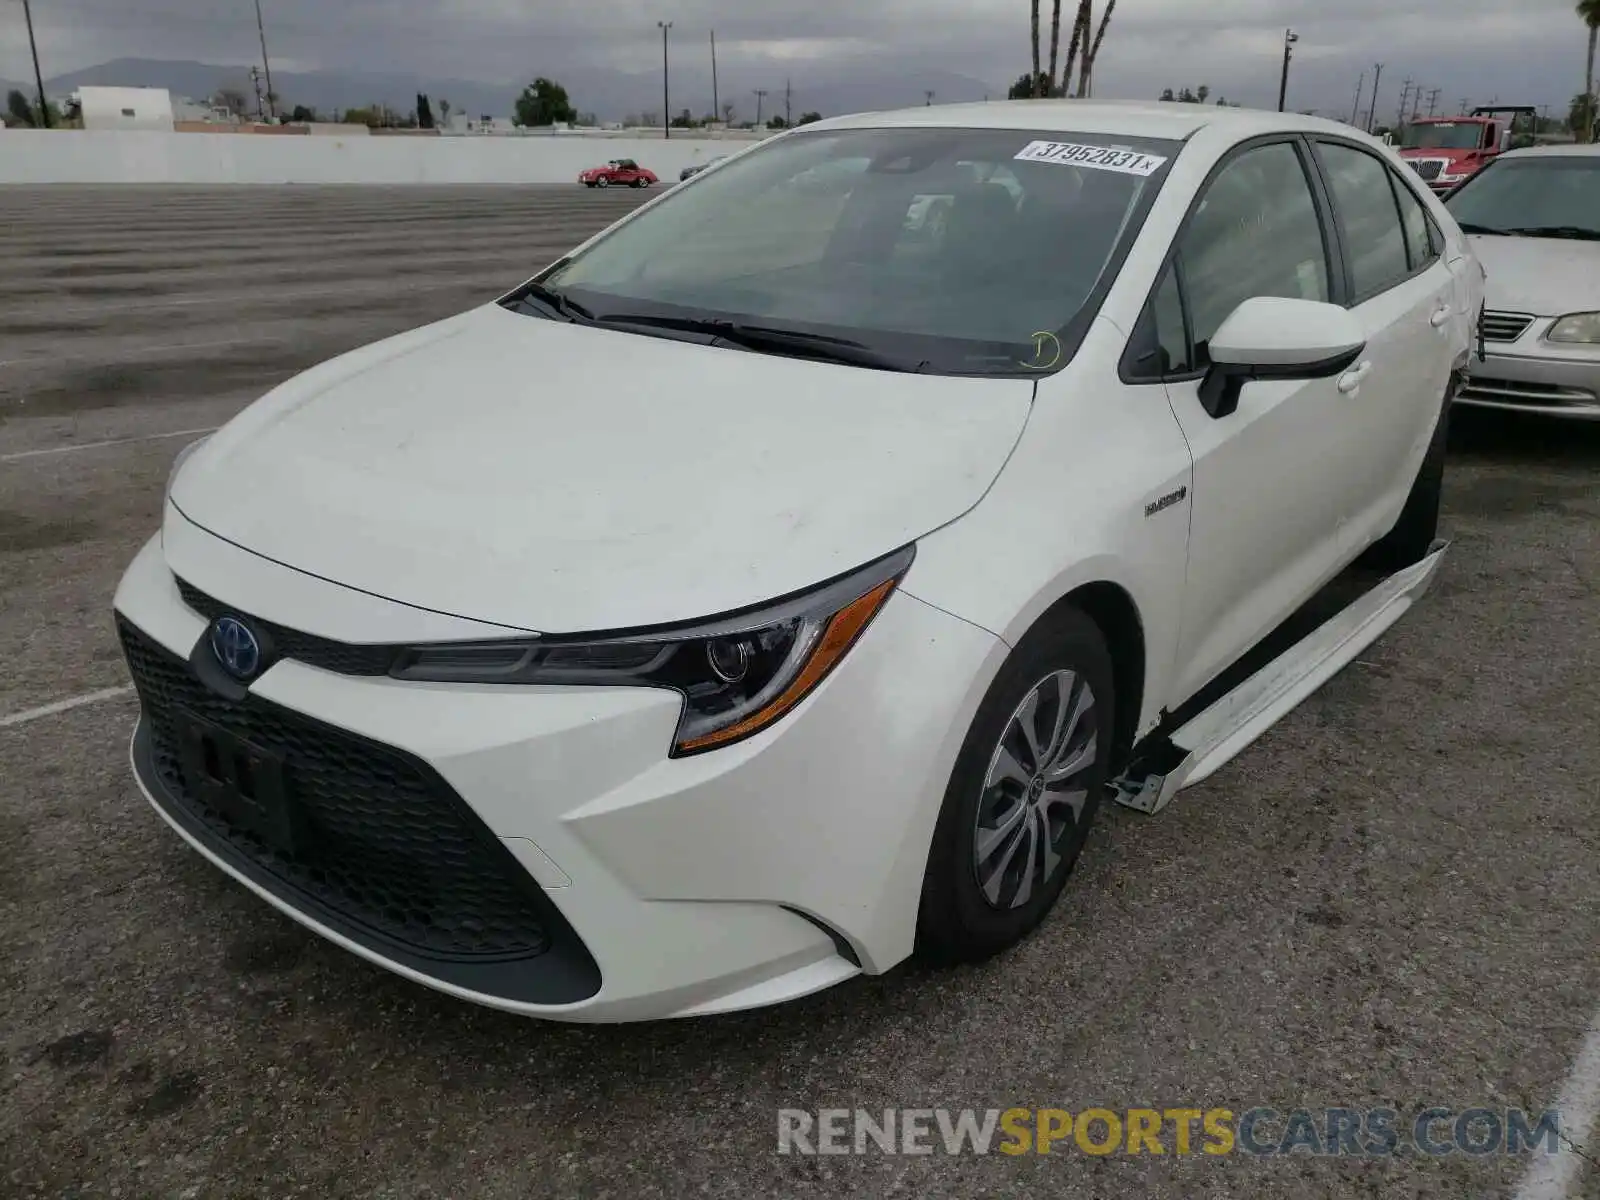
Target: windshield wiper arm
{"x":798,"y":342}
{"x":1469,"y":227}
{"x":1577,"y":232}
{"x":551,"y":300}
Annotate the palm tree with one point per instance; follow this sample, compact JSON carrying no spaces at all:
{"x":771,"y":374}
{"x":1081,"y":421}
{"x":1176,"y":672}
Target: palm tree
{"x":1092,"y":53}
{"x":1035,"y":4}
{"x":1055,"y":44}
{"x":1589,"y":12}
{"x":1078,"y":41}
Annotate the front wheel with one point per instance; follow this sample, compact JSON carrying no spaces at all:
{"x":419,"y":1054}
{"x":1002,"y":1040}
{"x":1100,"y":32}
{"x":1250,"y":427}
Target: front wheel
{"x":602,"y":182}
{"x":1023,"y":795}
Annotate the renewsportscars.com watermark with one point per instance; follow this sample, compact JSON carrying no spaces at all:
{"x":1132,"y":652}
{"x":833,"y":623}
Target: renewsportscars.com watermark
{"x":1259,"y":1132}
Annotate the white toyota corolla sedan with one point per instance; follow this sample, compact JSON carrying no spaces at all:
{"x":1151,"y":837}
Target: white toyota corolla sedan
{"x":774,"y":587}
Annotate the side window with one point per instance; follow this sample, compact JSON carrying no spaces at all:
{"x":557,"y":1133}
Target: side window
{"x":1374,"y":238}
{"x":1255,"y":233}
{"x":1420,"y":245}
{"x":1166,"y":305}
{"x":1159,"y":347}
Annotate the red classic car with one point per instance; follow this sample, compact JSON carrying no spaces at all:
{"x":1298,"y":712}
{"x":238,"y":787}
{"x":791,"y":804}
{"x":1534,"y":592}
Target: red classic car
{"x":623,"y":172}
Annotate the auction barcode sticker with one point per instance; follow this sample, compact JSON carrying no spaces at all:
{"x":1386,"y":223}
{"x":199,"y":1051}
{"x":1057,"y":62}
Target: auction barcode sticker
{"x":1099,"y":158}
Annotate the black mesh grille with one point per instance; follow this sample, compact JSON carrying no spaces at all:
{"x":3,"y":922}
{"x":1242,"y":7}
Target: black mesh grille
{"x":1428,"y":168}
{"x":340,"y":657}
{"x":388,"y":845}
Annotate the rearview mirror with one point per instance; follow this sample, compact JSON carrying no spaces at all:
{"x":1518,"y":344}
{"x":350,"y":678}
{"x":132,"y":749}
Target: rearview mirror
{"x":1274,"y":337}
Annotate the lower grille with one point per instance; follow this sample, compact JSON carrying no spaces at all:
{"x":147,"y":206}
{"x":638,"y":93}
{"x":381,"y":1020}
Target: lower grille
{"x":1428,"y":168}
{"x":387,"y":847}
{"x":1505,"y":326}
{"x":1532,"y":395}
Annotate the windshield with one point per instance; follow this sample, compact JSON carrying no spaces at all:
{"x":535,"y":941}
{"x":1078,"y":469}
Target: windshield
{"x":1558,"y":193}
{"x":958,"y":251}
{"x":1443,"y":135}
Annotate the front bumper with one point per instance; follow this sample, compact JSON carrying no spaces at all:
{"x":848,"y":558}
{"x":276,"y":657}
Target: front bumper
{"x":1542,"y":379}
{"x":534,"y":849}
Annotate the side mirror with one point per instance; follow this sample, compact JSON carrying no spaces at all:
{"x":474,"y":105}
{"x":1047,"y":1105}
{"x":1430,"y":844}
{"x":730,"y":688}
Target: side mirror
{"x":1274,"y":337}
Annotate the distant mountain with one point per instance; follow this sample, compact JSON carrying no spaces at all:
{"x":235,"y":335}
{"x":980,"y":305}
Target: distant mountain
{"x":864,"y":86}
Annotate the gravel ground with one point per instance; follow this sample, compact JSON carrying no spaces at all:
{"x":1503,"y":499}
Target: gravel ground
{"x":1391,"y":900}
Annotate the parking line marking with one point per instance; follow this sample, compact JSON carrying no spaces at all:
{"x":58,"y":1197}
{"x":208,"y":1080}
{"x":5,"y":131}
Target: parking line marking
{"x":128,"y":441}
{"x":1555,"y":1176}
{"x":61,"y":706}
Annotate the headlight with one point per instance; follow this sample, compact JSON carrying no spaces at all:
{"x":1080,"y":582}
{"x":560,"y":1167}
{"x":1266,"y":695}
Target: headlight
{"x":1576,"y":327}
{"x":737,"y":674}
{"x":183,"y":457}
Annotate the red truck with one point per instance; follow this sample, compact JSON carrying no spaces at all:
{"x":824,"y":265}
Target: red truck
{"x":1446,"y":151}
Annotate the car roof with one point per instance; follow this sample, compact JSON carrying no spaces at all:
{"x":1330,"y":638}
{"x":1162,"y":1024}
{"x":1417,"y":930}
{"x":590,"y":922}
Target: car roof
{"x":1167,"y":119}
{"x":1569,"y":150}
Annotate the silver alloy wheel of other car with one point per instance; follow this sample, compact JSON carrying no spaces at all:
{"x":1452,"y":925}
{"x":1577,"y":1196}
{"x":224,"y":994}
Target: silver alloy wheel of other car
{"x":641,"y":182}
{"x":602,"y":182}
{"x":1034,"y":792}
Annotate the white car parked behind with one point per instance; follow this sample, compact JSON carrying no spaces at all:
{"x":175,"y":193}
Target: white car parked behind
{"x":822,"y":643}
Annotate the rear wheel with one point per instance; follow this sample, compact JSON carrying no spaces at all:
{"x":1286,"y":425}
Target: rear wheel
{"x":641,"y":183}
{"x":1023,"y":795}
{"x":1413,"y":534}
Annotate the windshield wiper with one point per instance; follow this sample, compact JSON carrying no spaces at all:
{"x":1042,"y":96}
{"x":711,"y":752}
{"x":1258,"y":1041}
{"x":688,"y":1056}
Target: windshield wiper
{"x":550,"y":300}
{"x":1469,"y":227}
{"x":1577,"y":232}
{"x":761,"y":338}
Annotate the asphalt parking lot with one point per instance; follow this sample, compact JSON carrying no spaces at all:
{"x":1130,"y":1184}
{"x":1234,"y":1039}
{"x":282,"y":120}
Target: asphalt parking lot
{"x":1391,"y":900}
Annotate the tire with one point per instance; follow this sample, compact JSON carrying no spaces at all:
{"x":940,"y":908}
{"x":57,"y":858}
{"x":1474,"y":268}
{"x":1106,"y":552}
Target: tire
{"x":602,"y":182}
{"x":641,"y":183}
{"x":958,"y":920}
{"x":1414,"y":533}
{"x":588,"y":185}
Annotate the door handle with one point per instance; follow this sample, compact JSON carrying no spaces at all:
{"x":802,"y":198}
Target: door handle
{"x":1350,"y":382}
{"x":1440,"y":318}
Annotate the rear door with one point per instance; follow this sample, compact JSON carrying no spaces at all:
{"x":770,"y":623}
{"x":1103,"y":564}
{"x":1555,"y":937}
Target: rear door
{"x":1405,"y":298}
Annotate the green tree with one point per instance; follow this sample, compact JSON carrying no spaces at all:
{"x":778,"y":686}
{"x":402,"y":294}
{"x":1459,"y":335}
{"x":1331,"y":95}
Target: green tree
{"x":684,"y":120}
{"x":777,"y":123}
{"x":544,"y":102}
{"x":20,"y":110}
{"x":806,"y":118}
{"x":1026,"y":89}
{"x":1582,"y":115}
{"x":424,"y":112}
{"x":1589,"y":13}
{"x":303,"y":115}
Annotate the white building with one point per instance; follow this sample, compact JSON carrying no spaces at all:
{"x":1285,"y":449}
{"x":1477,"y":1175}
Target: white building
{"x":125,"y":108}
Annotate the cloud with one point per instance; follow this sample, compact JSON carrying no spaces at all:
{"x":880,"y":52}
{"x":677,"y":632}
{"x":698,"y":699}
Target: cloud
{"x":1477,"y":49}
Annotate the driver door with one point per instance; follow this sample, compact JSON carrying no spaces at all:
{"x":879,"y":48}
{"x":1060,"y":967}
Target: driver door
{"x":1270,"y":492}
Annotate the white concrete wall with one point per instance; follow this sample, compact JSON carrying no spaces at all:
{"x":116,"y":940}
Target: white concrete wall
{"x":84,"y":156}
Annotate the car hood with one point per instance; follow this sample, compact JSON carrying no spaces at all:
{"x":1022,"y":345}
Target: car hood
{"x":562,"y":478}
{"x":1546,"y":277}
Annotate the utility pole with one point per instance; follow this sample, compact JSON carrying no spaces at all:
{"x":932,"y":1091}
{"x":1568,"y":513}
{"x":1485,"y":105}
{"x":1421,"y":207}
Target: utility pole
{"x":1355,"y":108}
{"x":1433,"y":100}
{"x":1405,"y":99}
{"x":716,"y":109}
{"x":788,"y":95}
{"x":261,"y":28}
{"x":1372,"y":111}
{"x":761,"y":95}
{"x":928,"y":99}
{"x":255,"y":81}
{"x":1416,"y":103}
{"x":38,"y":76}
{"x":1290,"y":37}
{"x":666,"y":96}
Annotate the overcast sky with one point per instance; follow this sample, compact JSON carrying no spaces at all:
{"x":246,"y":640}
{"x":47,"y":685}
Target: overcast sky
{"x":1527,"y":52}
